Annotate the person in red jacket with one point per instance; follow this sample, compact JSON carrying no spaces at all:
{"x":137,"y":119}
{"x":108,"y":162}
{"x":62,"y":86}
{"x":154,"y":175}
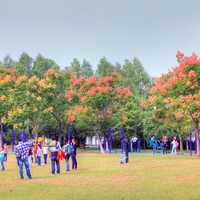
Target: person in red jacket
{"x":5,"y":149}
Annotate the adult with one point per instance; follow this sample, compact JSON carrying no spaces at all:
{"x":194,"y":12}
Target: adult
{"x":22,"y":151}
{"x":5,"y":149}
{"x":53,"y":148}
{"x":164,"y":145}
{"x":125,"y":151}
{"x":45,"y":153}
{"x":153,"y":144}
{"x":68,"y":149}
{"x":2,"y":159}
{"x":174,"y":146}
{"x":74,"y":160}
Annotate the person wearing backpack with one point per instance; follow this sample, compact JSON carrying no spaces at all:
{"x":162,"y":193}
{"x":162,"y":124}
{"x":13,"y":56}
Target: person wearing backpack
{"x":53,"y":148}
{"x":2,"y":158}
{"x":68,"y":149}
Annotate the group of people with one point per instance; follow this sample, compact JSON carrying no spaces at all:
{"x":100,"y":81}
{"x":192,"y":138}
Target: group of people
{"x":164,"y":145}
{"x":29,"y":152}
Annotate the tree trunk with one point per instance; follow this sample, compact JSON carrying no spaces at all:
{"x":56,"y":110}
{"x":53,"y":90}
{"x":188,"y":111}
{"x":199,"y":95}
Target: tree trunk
{"x":181,"y":144}
{"x":187,"y":146}
{"x":99,"y":140}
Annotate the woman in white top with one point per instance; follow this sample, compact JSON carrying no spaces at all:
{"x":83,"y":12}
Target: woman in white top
{"x":174,"y":146}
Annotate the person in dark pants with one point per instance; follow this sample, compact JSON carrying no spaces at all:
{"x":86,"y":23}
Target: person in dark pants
{"x":53,"y":149}
{"x":22,"y":151}
{"x":164,"y":144}
{"x":74,"y":160}
{"x":126,"y":150}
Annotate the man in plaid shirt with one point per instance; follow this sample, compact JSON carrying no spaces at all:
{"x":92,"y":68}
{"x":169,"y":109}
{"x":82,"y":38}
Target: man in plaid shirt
{"x":22,"y":150}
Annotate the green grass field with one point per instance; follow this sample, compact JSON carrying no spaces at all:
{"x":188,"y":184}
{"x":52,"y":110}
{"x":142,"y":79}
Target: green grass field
{"x":102,"y":177}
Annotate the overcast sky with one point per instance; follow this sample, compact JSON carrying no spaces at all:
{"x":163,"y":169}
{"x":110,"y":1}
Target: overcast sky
{"x":152,"y":30}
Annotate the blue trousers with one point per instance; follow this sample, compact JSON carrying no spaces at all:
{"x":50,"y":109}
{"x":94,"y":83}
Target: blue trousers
{"x":38,"y":160}
{"x":45,"y":159}
{"x":74,"y":161}
{"x":55,"y":163}
{"x":126,"y":153}
{"x":2,"y":165}
{"x":28,"y":172}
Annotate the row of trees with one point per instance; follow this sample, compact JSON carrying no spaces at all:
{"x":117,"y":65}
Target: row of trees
{"x":173,"y":104}
{"x":38,"y":95}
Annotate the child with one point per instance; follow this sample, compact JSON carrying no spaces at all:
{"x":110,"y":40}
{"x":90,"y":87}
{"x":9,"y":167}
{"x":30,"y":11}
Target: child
{"x":30,"y":158}
{"x":45,"y":152}
{"x":38,"y":155}
{"x":2,"y":158}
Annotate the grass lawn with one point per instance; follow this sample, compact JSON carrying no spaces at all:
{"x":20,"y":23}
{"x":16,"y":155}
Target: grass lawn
{"x":102,"y":177}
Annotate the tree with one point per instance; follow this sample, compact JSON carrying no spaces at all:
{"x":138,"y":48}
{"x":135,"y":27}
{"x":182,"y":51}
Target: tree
{"x":24,"y":65}
{"x":75,"y":67}
{"x":100,"y":99}
{"x":104,"y":68}
{"x":136,"y":77}
{"x":176,"y":96}
{"x":86,"y":69}
{"x":8,"y":62}
{"x":42,"y":64}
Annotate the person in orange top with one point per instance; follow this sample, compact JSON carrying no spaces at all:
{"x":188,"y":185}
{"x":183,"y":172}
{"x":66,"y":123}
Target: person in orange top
{"x":5,"y":149}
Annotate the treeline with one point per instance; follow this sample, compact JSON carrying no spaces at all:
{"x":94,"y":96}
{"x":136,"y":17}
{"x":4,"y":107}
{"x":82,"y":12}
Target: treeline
{"x":33,"y":94}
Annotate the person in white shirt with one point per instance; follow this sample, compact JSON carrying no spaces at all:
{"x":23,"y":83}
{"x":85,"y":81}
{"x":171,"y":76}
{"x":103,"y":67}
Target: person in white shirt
{"x":45,"y":153}
{"x":174,"y":146}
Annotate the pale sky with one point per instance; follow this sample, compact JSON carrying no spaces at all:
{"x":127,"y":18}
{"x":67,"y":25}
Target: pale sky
{"x":152,"y":30}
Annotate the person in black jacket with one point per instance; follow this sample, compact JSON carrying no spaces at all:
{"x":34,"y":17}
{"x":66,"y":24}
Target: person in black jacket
{"x":126,"y":149}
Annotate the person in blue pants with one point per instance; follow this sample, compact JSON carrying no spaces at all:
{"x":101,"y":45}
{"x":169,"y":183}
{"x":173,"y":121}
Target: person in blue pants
{"x":53,"y":149}
{"x":74,"y":160}
{"x":22,"y":150}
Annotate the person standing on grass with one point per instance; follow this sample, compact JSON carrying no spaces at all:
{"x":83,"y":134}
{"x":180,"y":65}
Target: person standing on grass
{"x":126,"y":150}
{"x":35,"y":147}
{"x":164,"y":145}
{"x":74,"y":160}
{"x":30,"y":158}
{"x":45,"y":153}
{"x":22,"y":151}
{"x":38,"y":155}
{"x":174,"y":146}
{"x":68,"y":149}
{"x":2,"y":159}
{"x":153,"y":144}
{"x":53,"y":148}
{"x":5,"y":148}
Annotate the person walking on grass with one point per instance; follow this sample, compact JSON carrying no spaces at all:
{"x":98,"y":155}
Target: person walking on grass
{"x":45,"y":153}
{"x":2,"y":159}
{"x":5,"y":149}
{"x":68,"y":150}
{"x":22,"y":151}
{"x":38,"y":155}
{"x":53,"y":148}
